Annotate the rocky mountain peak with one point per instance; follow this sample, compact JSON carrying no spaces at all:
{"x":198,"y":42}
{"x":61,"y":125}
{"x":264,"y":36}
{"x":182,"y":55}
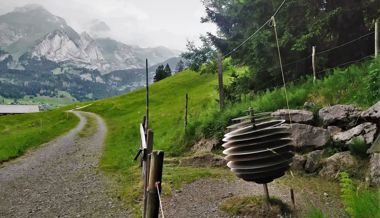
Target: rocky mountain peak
{"x":30,"y":7}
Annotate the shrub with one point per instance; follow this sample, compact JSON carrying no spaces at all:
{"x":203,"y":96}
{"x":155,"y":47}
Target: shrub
{"x":359,"y":147}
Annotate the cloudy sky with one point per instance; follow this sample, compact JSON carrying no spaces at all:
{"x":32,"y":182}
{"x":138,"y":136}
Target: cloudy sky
{"x":145,"y":23}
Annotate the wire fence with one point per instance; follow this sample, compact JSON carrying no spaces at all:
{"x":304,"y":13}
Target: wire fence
{"x":308,"y":57}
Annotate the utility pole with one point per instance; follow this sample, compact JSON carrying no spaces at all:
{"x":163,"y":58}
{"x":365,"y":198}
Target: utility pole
{"x":186,"y":110}
{"x":220,"y":80}
{"x":147,"y":95}
{"x":313,"y":63}
{"x":376,"y":37}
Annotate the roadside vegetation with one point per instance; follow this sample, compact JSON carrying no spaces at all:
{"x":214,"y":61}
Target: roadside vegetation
{"x":356,"y":84}
{"x":124,"y":113}
{"x":19,"y":133}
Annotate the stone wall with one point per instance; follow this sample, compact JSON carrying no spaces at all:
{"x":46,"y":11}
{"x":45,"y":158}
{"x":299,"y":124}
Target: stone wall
{"x":323,"y":141}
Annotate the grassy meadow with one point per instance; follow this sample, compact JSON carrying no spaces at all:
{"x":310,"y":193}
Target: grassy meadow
{"x":22,"y":132}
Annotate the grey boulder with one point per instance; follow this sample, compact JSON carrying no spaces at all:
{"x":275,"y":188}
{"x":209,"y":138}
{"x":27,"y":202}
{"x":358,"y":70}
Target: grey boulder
{"x":298,"y":162}
{"x":313,"y":161}
{"x":339,"y":162}
{"x":339,"y":115}
{"x":373,"y":113}
{"x":374,"y":169}
{"x":297,"y":116}
{"x":309,"y":136}
{"x":366,"y":131}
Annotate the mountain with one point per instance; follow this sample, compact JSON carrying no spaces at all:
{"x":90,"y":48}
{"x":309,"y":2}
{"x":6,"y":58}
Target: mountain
{"x":35,"y":32}
{"x":41,"y":55}
{"x":21,"y":28}
{"x":98,"y":28}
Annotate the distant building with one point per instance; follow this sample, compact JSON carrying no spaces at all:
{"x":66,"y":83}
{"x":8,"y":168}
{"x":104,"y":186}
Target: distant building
{"x":18,"y":109}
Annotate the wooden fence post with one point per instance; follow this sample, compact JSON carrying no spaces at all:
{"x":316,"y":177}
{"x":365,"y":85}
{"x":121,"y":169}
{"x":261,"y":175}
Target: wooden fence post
{"x":220,"y":80}
{"x":266,"y":194}
{"x":313,"y":63}
{"x":186,"y":111}
{"x":146,"y":164}
{"x":292,"y":198}
{"x":376,"y":37}
{"x":155,"y":179}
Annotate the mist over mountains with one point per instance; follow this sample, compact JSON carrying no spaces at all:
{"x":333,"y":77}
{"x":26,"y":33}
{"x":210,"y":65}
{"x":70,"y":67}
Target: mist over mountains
{"x":41,"y":55}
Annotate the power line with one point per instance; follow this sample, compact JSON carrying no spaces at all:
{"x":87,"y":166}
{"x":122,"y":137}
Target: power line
{"x":297,"y":61}
{"x":330,"y":49}
{"x":349,"y":62}
{"x":346,"y":43}
{"x":258,"y":30}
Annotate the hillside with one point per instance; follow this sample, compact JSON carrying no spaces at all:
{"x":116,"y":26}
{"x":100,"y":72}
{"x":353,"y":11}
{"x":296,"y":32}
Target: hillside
{"x":124,"y":113}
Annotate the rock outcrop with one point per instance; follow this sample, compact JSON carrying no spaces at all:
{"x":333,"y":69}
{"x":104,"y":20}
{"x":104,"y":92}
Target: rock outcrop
{"x":205,"y":145}
{"x":373,"y":113}
{"x":204,"y":160}
{"x":366,"y":131}
{"x":297,"y":116}
{"x":309,"y":136}
{"x":298,"y":162}
{"x":374,"y":169}
{"x":339,"y":115}
{"x":313,"y":161}
{"x":339,"y":162}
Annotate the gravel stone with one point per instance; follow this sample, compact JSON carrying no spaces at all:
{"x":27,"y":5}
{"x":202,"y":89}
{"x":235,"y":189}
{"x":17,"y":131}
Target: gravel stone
{"x":60,"y":179}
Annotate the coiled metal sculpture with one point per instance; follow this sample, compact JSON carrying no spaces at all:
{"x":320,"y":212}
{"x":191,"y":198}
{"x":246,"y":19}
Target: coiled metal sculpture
{"x":259,"y":148}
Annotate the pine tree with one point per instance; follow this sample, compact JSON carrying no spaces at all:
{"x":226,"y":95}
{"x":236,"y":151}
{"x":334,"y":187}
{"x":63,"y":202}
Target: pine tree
{"x":160,"y":73}
{"x":168,"y":71}
{"x":180,"y":66}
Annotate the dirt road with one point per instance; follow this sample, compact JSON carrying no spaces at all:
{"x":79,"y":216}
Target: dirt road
{"x":61,"y":179}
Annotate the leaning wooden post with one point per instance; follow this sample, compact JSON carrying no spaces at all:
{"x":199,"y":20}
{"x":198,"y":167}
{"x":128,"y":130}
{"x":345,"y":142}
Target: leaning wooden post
{"x":186,"y":111}
{"x":154,"y":186}
{"x":313,"y":63}
{"x":220,"y":80}
{"x":376,"y":37}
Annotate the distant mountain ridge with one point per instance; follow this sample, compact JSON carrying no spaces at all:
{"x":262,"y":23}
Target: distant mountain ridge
{"x":41,"y":55}
{"x":34,"y":30}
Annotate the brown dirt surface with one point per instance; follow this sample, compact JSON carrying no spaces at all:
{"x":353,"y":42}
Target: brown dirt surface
{"x":202,"y":199}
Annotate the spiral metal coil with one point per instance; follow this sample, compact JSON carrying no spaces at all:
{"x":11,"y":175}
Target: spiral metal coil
{"x":258,"y":148}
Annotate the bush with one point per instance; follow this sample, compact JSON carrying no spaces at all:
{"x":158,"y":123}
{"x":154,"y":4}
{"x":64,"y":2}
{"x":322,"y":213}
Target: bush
{"x":359,"y":147}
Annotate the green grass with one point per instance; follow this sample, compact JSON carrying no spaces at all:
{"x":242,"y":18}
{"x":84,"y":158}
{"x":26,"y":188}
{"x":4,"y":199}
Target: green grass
{"x":359,"y":203}
{"x":358,"y":84}
{"x":255,"y":207}
{"x":22,"y":132}
{"x":314,"y":212}
{"x":90,"y":128}
{"x":123,"y":114}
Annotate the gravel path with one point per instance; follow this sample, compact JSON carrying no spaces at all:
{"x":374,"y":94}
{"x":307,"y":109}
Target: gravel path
{"x":60,"y":179}
{"x":201,"y":199}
